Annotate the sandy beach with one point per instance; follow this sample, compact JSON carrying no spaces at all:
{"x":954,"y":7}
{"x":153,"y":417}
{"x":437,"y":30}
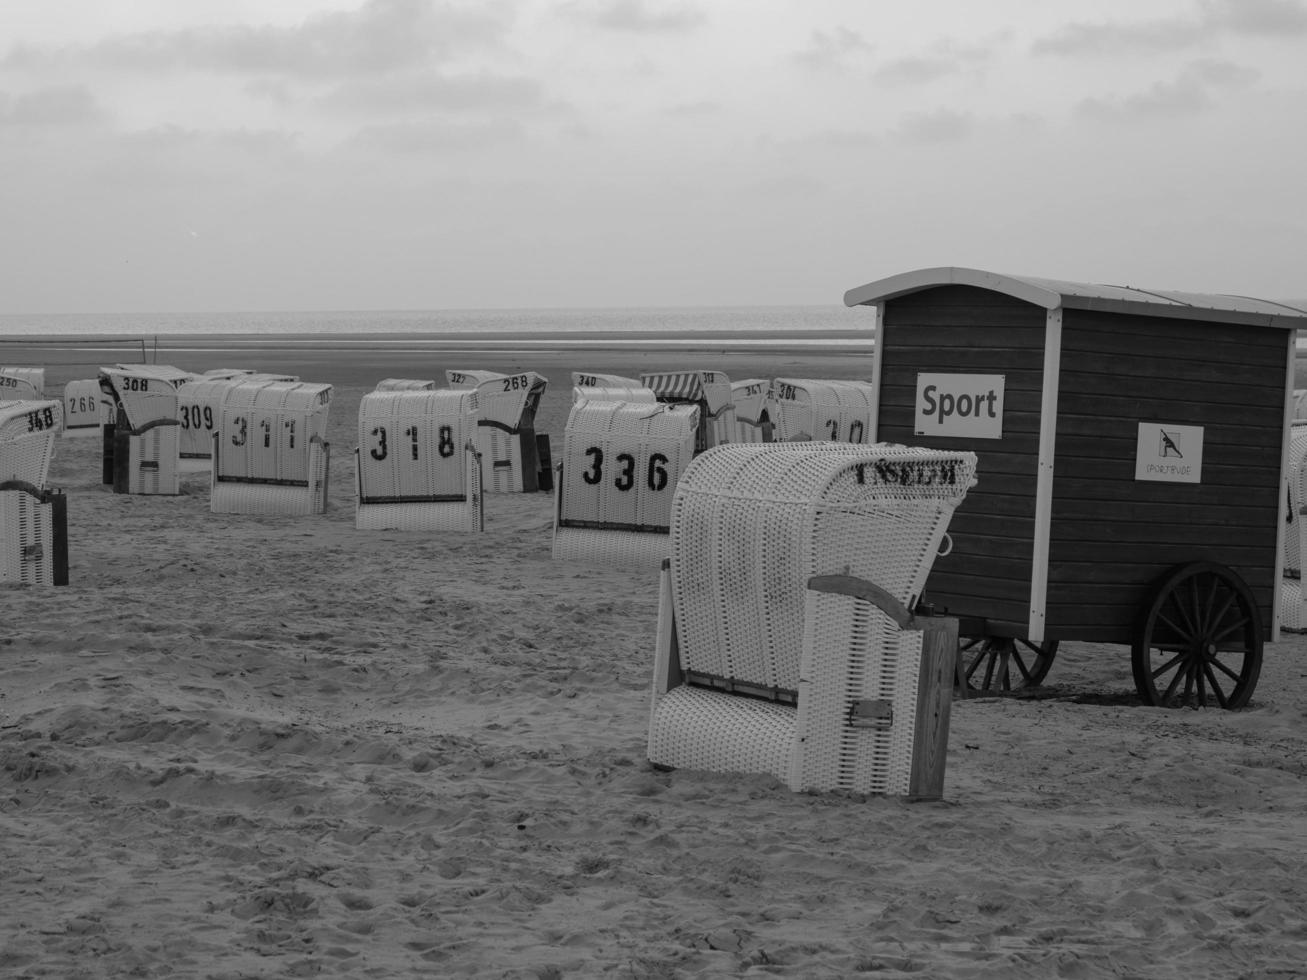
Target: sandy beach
{"x":243,"y":746}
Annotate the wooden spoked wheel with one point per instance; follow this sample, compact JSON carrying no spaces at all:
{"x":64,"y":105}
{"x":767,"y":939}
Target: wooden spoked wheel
{"x":994,"y":664}
{"x":1199,"y":641}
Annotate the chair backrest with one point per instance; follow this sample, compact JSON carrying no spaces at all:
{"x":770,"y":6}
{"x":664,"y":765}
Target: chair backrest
{"x":831,"y":411}
{"x":265,"y":430}
{"x":27,"y":433}
{"x":411,"y":445}
{"x":622,"y":462}
{"x":86,"y":407}
{"x":752,"y":523}
{"x":22,"y":383}
{"x":753,"y":410}
{"x":199,"y":408}
{"x":406,"y":384}
{"x":145,"y":393}
{"x":506,"y":437}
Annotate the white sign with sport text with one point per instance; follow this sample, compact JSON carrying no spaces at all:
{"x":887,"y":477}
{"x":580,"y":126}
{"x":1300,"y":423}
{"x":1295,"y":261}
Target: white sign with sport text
{"x":1169,"y":453}
{"x":966,"y":405}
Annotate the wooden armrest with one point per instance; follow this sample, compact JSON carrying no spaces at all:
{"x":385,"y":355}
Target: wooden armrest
{"x":860,"y":588}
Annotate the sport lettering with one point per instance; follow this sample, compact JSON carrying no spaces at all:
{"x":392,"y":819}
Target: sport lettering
{"x":943,"y":405}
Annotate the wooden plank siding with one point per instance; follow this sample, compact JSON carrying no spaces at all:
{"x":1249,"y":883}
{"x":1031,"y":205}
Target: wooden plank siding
{"x":1112,"y":536}
{"x":966,"y":330}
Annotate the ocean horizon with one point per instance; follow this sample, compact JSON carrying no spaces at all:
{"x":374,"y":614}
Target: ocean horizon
{"x":635,"y":321}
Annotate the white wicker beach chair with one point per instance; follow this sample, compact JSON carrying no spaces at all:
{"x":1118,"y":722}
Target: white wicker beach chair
{"x":621,"y":464}
{"x":87,"y":409}
{"x":33,"y":519}
{"x":786,"y":639}
{"x":1300,"y":404}
{"x":710,"y":390}
{"x":834,"y":411}
{"x":270,"y":452}
{"x":22,"y":383}
{"x":417,"y":465}
{"x":753,"y":410}
{"x":1293,"y":601}
{"x":406,"y":384}
{"x":143,"y":450}
{"x":505,"y":435}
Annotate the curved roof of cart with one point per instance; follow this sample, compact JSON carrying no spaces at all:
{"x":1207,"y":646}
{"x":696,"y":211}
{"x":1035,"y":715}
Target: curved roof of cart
{"x":1053,"y":294}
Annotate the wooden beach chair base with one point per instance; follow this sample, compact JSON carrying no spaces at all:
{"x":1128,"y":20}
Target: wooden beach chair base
{"x":288,"y":498}
{"x":456,"y":512}
{"x":33,"y":536}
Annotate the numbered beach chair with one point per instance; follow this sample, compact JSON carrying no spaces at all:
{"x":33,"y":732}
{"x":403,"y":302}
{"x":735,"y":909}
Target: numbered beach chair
{"x":22,"y":383}
{"x":709,"y":390}
{"x":753,"y":410}
{"x":621,"y":465}
{"x":199,"y":404}
{"x":1293,"y":599}
{"x":592,"y":387}
{"x":822,"y":411}
{"x":786,"y":639}
{"x":87,"y":409}
{"x":506,"y":436}
{"x":418,"y":468}
{"x":142,"y":444}
{"x":33,"y":518}
{"x":406,"y":384}
{"x":270,"y":450}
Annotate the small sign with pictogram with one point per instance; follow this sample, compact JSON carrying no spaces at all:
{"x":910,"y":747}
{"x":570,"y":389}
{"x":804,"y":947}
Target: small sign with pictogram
{"x":1169,"y":453}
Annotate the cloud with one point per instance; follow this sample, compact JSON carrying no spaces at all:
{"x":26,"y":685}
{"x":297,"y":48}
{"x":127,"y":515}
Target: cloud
{"x":1163,"y":100}
{"x":1108,"y":38}
{"x":380,"y":36}
{"x":642,"y":16}
{"x":1188,"y":94}
{"x":938,"y":126}
{"x":1211,"y":19}
{"x":833,"y":49}
{"x":701,"y":107}
{"x":64,"y":105}
{"x":437,"y":135}
{"x":1274,"y":18}
{"x":944,"y":59}
{"x":430,"y":91}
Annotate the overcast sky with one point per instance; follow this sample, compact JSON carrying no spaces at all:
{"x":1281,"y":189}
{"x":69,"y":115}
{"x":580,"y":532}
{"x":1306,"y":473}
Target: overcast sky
{"x":214,"y":155}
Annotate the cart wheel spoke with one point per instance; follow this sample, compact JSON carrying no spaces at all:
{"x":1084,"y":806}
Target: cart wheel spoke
{"x":1219,"y":664}
{"x":1168,"y":666}
{"x":1183,"y":632}
{"x":1199,"y":640}
{"x":1215,"y":686}
{"x":994,"y":664}
{"x":1220,"y":636}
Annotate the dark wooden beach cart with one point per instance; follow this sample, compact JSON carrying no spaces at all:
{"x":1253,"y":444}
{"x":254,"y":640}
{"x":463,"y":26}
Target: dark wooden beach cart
{"x":1132,"y":454}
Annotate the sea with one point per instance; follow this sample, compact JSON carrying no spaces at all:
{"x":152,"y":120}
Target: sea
{"x":818,"y":324}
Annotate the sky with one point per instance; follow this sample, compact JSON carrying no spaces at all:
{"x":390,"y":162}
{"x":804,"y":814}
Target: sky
{"x":225,"y":155}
